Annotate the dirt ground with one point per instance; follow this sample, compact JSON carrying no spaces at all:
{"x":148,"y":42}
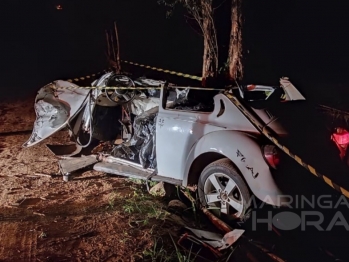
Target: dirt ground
{"x":95,"y":217}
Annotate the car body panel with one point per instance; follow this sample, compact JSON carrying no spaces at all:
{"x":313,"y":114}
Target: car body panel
{"x":54,"y":109}
{"x":177,"y":131}
{"x":182,"y":136}
{"x":291,"y":91}
{"x":246,"y":155}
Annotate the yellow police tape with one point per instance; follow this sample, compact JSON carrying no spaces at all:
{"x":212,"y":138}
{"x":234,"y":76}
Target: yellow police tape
{"x":164,"y":70}
{"x":136,"y":88}
{"x":77,"y":79}
{"x":263,"y":130}
{"x":140,"y":65}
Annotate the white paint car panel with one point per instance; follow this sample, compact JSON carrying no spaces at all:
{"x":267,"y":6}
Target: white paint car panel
{"x":54,"y":109}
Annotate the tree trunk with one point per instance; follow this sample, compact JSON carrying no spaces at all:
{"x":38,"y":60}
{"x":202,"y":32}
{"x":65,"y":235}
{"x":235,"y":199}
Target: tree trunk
{"x":210,"y":56}
{"x":235,"y":45}
{"x":112,"y":46}
{"x":206,"y":60}
{"x":108,"y":44}
{"x":117,"y":51}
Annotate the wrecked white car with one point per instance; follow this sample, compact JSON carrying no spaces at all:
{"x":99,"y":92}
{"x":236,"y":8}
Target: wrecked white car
{"x":166,"y":133}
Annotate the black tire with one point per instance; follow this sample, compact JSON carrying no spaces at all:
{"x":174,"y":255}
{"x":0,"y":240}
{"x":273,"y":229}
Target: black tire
{"x":223,"y":170}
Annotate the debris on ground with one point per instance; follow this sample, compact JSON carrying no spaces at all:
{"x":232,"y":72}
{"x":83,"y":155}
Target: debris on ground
{"x":215,"y":240}
{"x":69,"y":165}
{"x":65,"y":150}
{"x":158,"y":189}
{"x":177,"y":206}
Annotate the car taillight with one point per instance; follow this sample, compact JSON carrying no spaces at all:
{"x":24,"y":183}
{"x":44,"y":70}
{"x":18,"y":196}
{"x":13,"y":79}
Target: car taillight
{"x":271,"y":155}
{"x":341,"y":139}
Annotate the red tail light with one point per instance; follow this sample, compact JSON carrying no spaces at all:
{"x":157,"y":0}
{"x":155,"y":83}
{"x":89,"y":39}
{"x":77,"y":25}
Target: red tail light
{"x":341,"y":139}
{"x":271,"y":155}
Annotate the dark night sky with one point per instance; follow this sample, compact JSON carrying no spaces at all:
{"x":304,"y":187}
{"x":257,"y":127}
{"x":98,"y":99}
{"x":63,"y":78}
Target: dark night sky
{"x":40,"y":44}
{"x":305,"y":40}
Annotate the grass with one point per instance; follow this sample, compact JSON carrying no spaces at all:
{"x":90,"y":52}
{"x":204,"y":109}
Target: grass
{"x":141,"y":181}
{"x":111,"y":200}
{"x":159,"y":253}
{"x":148,"y":214}
{"x":183,"y":257}
{"x":145,"y":213}
{"x":143,"y":204}
{"x":137,"y":203}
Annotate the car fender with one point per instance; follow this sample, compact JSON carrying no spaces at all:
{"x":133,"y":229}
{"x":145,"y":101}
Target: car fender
{"x":246,"y":154}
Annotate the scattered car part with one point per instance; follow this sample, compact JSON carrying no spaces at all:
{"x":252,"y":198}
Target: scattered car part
{"x":69,"y":165}
{"x":207,"y":235}
{"x":230,"y":238}
{"x":216,"y":240}
{"x":222,"y":226}
{"x":273,"y":256}
{"x":290,"y":90}
{"x":42,"y":175}
{"x":197,"y":246}
{"x":230,"y":235}
{"x":176,"y":206}
{"x":65,"y":150}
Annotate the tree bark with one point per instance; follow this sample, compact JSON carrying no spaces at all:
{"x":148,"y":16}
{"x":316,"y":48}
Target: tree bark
{"x":235,"y":45}
{"x":202,"y":11}
{"x":108,"y":43}
{"x":117,"y":51}
{"x":210,"y":56}
{"x":113,"y":55}
{"x":206,"y":61}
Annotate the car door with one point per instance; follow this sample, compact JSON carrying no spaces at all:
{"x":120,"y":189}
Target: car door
{"x":176,"y":132}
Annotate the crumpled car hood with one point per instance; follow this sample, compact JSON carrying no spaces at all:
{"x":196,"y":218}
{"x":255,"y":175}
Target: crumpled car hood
{"x":54,"y":108}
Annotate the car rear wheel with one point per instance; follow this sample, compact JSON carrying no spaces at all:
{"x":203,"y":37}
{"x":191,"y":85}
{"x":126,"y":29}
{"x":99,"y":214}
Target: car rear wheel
{"x":222,"y":189}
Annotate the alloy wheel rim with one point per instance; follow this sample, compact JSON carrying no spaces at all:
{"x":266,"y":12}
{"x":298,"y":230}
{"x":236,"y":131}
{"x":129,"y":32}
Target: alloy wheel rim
{"x":223,"y":194}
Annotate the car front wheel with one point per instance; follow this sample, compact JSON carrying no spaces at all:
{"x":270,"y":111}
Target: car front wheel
{"x":223,"y":191}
